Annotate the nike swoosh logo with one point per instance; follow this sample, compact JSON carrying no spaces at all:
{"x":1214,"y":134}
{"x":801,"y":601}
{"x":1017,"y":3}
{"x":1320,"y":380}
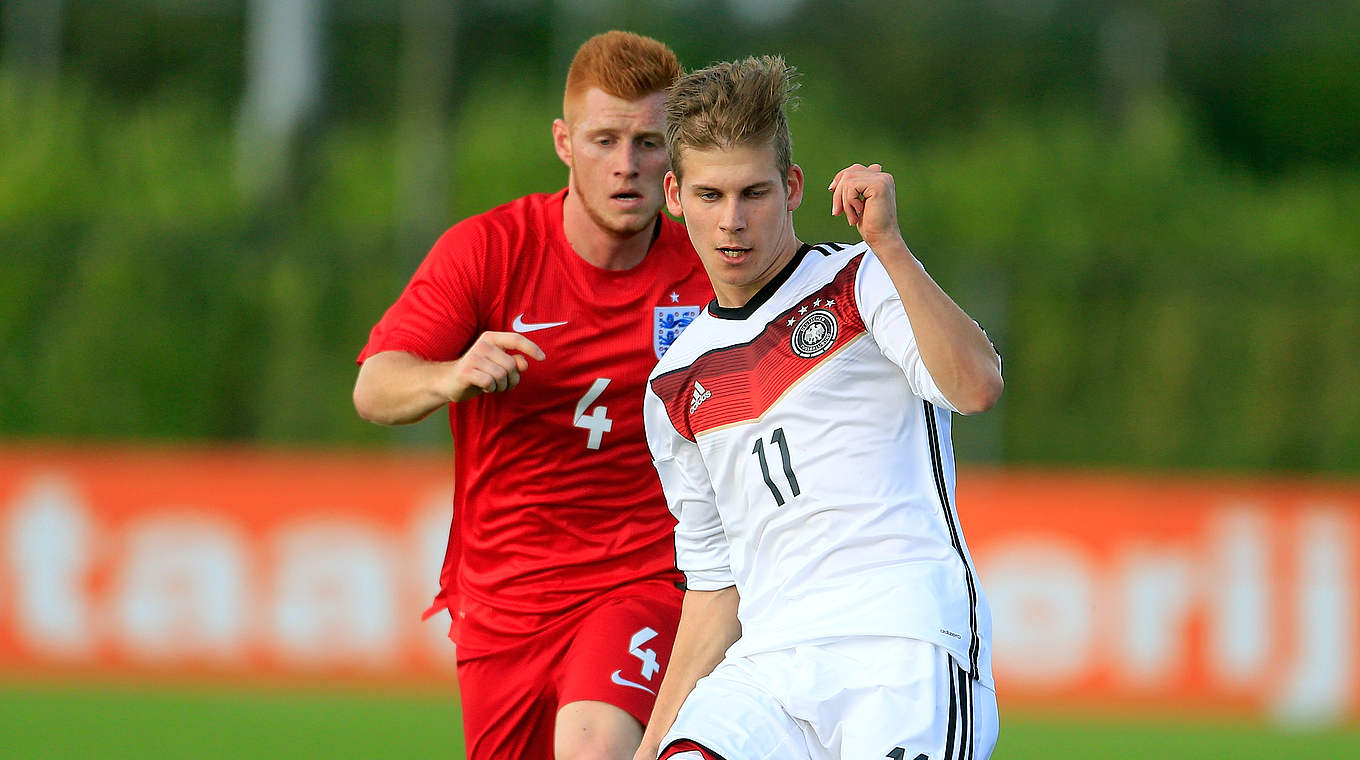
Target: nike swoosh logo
{"x":520,"y":326}
{"x":617,"y":677}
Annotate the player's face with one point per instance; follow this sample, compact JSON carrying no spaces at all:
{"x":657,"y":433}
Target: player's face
{"x":617,"y":155}
{"x":739,"y":213}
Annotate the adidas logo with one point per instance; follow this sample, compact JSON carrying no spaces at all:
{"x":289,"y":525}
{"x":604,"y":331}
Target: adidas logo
{"x":701,"y":395}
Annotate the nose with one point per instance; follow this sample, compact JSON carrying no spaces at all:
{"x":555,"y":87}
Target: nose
{"x":733,"y":218}
{"x":626,"y":160}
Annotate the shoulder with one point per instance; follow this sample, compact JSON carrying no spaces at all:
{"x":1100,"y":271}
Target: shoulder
{"x":674,"y":234}
{"x":692,"y":342}
{"x":498,"y":230}
{"x":826,"y":265}
{"x":523,"y":214}
{"x":673,"y":248}
{"x":834,"y":257}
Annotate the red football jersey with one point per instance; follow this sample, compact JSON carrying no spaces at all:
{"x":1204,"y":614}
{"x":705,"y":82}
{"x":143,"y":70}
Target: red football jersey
{"x":555,"y":498}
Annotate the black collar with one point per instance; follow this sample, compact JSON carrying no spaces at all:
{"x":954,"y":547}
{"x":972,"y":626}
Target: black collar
{"x":762,"y":295}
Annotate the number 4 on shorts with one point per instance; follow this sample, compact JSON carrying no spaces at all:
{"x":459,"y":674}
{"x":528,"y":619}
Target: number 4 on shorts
{"x":900,"y":754}
{"x":648,"y":656}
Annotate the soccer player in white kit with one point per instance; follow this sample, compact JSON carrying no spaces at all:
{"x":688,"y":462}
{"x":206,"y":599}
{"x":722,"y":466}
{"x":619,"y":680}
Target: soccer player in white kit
{"x":800,"y":426}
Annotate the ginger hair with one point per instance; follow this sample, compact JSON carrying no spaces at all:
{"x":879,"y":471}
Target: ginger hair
{"x":625,"y":65}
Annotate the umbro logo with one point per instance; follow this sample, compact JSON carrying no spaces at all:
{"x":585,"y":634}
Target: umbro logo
{"x":701,"y":394}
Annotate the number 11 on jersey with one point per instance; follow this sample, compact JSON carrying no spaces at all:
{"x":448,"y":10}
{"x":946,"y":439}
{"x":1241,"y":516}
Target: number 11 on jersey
{"x":776,"y":439}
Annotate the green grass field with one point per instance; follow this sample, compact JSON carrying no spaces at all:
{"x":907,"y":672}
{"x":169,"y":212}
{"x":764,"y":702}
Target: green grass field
{"x":82,"y":721}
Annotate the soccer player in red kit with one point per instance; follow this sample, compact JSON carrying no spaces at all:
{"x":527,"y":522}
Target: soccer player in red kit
{"x":537,"y":324}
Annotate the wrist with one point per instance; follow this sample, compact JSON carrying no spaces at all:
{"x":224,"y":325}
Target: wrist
{"x":890,"y":248}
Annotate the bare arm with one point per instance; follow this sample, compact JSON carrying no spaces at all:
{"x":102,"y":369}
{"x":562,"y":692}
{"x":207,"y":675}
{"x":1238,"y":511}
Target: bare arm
{"x":955,"y":350}
{"x":708,"y":626}
{"x":398,"y":388}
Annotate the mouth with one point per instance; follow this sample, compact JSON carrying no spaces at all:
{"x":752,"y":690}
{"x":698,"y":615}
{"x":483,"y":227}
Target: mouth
{"x":733,"y":252}
{"x":627,"y":197}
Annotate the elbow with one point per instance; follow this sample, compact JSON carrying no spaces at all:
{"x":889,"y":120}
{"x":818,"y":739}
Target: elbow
{"x":364,"y":405}
{"x":367,"y":404}
{"x":983,"y":395}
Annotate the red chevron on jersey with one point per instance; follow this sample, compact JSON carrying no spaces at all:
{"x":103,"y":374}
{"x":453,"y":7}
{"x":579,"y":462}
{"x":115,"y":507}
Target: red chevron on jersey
{"x":715,"y":390}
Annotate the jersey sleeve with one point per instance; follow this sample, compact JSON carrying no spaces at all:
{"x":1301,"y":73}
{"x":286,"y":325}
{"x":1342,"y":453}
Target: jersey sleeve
{"x":701,"y":549}
{"x":880,"y":307}
{"x":436,"y":316}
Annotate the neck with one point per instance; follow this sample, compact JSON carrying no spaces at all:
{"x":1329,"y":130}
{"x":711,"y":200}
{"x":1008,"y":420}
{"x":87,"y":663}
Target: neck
{"x":600,"y":247}
{"x":735,"y":297}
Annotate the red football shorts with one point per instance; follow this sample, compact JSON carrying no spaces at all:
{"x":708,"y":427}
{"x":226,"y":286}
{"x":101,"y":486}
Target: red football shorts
{"x":613,"y":649}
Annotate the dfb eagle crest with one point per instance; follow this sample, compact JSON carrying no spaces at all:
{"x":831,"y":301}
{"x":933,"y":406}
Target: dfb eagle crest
{"x":814,"y":333}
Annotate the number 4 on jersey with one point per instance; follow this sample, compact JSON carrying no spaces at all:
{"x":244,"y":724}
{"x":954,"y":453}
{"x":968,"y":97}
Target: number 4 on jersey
{"x":900,"y":754}
{"x":597,"y":422}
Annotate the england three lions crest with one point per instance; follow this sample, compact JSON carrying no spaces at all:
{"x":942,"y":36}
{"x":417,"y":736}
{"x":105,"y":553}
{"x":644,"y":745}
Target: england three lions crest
{"x":667,"y":324}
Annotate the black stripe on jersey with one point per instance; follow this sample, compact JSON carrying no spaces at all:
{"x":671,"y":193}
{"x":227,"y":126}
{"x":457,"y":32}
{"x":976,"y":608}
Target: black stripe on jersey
{"x":966,"y":732}
{"x":951,"y":519}
{"x":953,"y":718}
{"x":826,"y":249}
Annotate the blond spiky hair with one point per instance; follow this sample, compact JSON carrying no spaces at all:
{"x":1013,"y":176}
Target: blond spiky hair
{"x":731,"y":104}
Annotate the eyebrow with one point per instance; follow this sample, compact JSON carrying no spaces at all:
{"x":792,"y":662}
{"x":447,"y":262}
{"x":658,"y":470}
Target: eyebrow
{"x":756,"y":186}
{"x":653,"y":134}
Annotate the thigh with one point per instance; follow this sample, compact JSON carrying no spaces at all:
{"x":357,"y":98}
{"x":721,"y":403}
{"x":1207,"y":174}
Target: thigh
{"x":508,"y":704}
{"x":730,"y":714}
{"x":619,"y":649}
{"x":595,"y":730}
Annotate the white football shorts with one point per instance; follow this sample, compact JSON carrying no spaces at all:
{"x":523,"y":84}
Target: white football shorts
{"x":849,"y":699}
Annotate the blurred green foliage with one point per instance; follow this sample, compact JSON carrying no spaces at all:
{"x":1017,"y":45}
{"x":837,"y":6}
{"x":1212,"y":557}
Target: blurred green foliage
{"x":1168,"y":268}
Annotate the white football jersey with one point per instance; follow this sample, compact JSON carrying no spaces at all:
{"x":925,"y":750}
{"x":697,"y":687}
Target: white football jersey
{"x":805,"y":452}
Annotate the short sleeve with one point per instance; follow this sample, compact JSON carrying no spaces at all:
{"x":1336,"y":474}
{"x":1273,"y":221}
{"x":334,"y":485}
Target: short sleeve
{"x":702,"y":552}
{"x":881,"y":309}
{"x":437,"y":315}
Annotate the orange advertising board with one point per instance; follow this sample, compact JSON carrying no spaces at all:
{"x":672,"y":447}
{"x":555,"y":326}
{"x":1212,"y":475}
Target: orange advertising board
{"x":1239,"y":595}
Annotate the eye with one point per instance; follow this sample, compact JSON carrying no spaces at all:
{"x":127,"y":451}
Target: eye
{"x":757,"y":193}
{"x":651,"y":144}
{"x":708,"y":195}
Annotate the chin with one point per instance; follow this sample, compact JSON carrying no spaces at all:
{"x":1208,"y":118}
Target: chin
{"x":631,"y":225}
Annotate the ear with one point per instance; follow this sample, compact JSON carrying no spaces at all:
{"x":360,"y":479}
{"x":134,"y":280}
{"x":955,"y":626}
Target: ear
{"x":671,"y":186}
{"x":562,"y":141}
{"x":795,"y":187}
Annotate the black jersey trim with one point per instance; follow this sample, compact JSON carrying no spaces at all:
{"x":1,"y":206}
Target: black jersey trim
{"x":764,"y":294}
{"x":959,"y":735}
{"x":966,"y":740}
{"x":953,"y":717}
{"x":951,"y":519}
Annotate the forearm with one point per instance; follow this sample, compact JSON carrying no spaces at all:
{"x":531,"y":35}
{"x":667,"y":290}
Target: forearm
{"x":955,"y":350}
{"x":397,"y":388}
{"x":708,"y":626}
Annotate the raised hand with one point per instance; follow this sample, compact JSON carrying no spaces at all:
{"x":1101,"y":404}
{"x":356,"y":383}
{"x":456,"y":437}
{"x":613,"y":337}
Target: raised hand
{"x":867,"y":196}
